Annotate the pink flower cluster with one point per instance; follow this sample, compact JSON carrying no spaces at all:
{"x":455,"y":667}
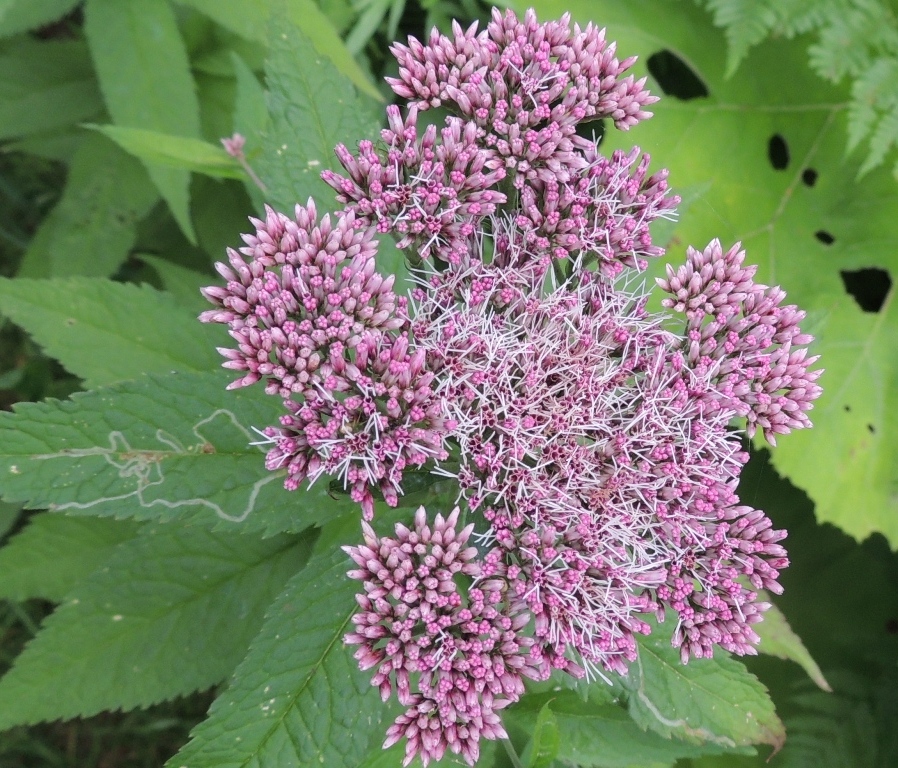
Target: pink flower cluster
{"x":603,"y":215}
{"x":310,"y":314}
{"x":431,"y":195}
{"x":453,"y":657}
{"x":518,"y":90}
{"x":594,"y":444}
{"x":525,"y":85}
{"x":738,"y":334}
{"x":607,"y":481}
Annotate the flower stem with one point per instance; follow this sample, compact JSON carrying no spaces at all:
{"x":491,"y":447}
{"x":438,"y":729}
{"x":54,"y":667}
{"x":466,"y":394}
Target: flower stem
{"x":512,"y":754}
{"x":252,"y":174}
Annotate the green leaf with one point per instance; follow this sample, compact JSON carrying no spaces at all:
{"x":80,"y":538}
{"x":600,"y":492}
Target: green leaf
{"x":153,"y":147}
{"x":725,"y":761}
{"x":855,"y":40}
{"x":172,"y":612}
{"x":250,"y":120}
{"x":312,"y":107}
{"x":594,"y":735}
{"x":846,"y":463}
{"x":216,"y":96}
{"x":250,"y":108}
{"x":544,"y":745}
{"x":866,"y":93}
{"x":161,"y":448}
{"x":145,"y":78}
{"x":105,"y":331}
{"x":298,"y":697}
{"x":9,"y":516}
{"x":49,"y":557}
{"x":251,"y":19}
{"x":779,"y":639}
{"x":93,"y":227}
{"x":21,"y":15}
{"x":58,"y":145}
{"x":839,"y":595}
{"x":45,"y":86}
{"x":182,"y":283}
{"x":713,"y":701}
{"x":852,"y":730}
{"x":366,"y":25}
{"x":221,"y":210}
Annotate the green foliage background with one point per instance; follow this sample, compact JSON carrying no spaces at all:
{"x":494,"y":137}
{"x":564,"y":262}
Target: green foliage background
{"x":168,"y":562}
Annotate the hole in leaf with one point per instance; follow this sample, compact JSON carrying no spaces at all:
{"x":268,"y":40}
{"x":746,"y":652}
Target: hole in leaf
{"x":778,"y":152}
{"x":809,"y":176}
{"x":871,"y":429}
{"x":892,"y":626}
{"x":675,"y":76}
{"x":868,"y":286}
{"x":824,"y":237}
{"x":847,"y":409}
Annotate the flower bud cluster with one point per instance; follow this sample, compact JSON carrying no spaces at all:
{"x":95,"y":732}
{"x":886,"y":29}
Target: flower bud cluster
{"x":431,"y":195}
{"x":516,"y":91}
{"x":739,"y":334}
{"x":311,"y":315}
{"x":452,"y":657}
{"x":525,"y":85}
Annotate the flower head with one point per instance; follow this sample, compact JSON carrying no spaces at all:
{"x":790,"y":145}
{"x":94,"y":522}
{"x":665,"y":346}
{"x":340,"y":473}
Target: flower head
{"x":309,"y":312}
{"x":602,"y":215}
{"x":606,"y":481}
{"x":452,"y":656}
{"x":431,"y":195}
{"x":304,"y":298}
{"x":525,"y":85}
{"x":597,"y":448}
{"x":366,"y":428}
{"x":739,"y":334}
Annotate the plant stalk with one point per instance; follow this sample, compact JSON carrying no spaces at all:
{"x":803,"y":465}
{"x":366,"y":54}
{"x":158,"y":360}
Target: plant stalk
{"x":512,"y":754}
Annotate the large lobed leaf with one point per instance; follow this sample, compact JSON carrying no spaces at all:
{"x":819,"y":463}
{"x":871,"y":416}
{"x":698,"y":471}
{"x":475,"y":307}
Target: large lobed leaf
{"x":787,"y":220}
{"x":172,"y":612}
{"x":161,"y":448}
{"x":312,"y":108}
{"x":297,"y":698}
{"x":854,"y":41}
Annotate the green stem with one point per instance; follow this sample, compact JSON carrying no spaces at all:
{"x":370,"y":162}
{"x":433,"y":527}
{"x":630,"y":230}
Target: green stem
{"x":513,"y":756}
